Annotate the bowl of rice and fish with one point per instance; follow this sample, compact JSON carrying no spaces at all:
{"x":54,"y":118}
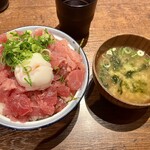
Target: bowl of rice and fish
{"x":43,"y":76}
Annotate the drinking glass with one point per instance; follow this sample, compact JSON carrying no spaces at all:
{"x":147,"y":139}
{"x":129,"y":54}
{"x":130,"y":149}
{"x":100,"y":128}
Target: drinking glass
{"x":75,"y":16}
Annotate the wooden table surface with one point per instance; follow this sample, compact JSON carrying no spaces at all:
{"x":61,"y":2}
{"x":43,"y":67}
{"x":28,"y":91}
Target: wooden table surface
{"x":95,"y":123}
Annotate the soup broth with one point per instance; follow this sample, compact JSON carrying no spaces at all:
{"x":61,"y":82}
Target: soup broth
{"x":125,"y":73}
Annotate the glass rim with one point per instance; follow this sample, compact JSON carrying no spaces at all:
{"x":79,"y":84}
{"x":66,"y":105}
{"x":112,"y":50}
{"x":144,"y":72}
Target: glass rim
{"x":79,"y":6}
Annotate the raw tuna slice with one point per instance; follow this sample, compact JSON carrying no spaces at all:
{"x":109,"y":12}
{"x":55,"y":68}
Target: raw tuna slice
{"x":5,"y":89}
{"x":3,"y":38}
{"x":75,"y":79}
{"x":38,"y":32}
{"x":18,"y":105}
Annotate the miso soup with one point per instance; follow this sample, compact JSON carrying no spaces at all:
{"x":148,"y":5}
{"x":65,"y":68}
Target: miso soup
{"x":125,"y":73}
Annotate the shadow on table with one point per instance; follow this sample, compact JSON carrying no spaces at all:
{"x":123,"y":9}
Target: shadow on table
{"x":112,"y":116}
{"x":61,"y":130}
{"x":39,"y":139}
{"x":81,"y":41}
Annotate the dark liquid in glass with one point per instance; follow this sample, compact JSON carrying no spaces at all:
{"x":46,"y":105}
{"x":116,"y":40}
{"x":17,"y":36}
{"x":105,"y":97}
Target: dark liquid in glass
{"x":75,"y":3}
{"x":75,"y":16}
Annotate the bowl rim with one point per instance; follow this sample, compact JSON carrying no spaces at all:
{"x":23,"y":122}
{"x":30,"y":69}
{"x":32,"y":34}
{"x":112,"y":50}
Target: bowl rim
{"x":65,"y":111}
{"x":95,"y":73}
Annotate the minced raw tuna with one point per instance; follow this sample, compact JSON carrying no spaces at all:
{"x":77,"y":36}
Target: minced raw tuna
{"x":21,"y":105}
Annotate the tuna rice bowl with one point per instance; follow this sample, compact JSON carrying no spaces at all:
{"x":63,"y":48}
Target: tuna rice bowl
{"x":40,"y":74}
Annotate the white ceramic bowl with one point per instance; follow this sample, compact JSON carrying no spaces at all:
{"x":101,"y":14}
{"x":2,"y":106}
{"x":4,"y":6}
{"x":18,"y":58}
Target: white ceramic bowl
{"x":79,"y":94}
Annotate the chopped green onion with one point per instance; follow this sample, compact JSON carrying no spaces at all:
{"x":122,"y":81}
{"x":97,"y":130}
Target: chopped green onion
{"x":130,"y":73}
{"x":72,"y":98}
{"x":45,"y":52}
{"x":134,"y":55}
{"x":109,"y":52}
{"x":27,"y":69}
{"x":120,"y":87}
{"x":127,"y":50}
{"x":29,"y":31}
{"x":115,"y":79}
{"x":106,"y":63}
{"x":80,"y":45}
{"x":113,"y":49}
{"x":20,"y":47}
{"x":28,"y":80}
{"x":62,"y":79}
{"x":140,"y":53}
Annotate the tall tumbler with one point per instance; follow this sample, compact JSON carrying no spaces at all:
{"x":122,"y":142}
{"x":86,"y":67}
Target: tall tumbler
{"x":75,"y":16}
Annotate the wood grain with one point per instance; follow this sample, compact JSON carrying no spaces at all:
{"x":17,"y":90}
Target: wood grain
{"x":95,"y":124}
